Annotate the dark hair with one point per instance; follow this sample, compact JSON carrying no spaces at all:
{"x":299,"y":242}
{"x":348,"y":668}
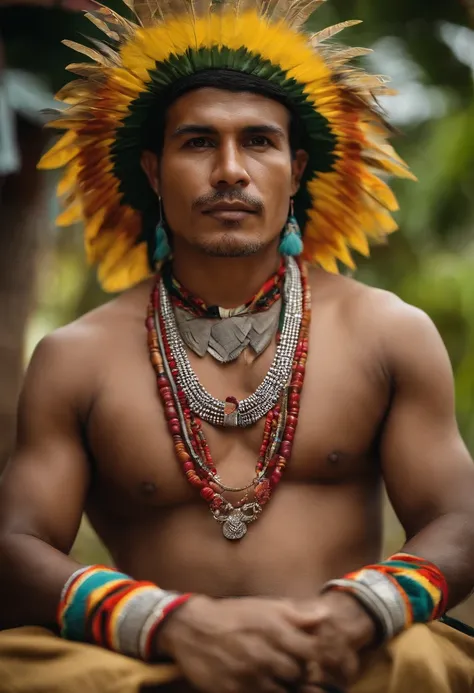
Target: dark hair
{"x":228,"y":80}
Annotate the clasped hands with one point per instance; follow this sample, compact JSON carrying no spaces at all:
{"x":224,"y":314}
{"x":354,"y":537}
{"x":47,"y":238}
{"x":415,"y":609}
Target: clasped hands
{"x":268,"y":645}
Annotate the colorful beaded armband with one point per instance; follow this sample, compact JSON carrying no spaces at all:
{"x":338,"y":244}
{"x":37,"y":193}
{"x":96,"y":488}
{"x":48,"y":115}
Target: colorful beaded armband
{"x":107,"y":608}
{"x":400,"y":591}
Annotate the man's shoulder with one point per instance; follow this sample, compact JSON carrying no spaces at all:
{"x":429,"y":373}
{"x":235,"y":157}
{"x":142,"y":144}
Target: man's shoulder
{"x":382,"y":308}
{"x":389,"y":329}
{"x":77,"y":353}
{"x":102,"y":324}
{"x":79,"y":337}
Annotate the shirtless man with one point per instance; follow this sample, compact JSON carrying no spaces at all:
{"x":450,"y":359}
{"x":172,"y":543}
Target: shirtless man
{"x":377,"y":404}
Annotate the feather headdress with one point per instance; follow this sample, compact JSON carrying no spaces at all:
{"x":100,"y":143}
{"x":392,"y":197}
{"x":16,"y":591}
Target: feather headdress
{"x":342,"y":202}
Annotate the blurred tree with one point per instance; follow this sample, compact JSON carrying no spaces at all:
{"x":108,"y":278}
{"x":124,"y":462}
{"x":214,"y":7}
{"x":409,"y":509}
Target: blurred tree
{"x":28,"y":67}
{"x":20,"y":212}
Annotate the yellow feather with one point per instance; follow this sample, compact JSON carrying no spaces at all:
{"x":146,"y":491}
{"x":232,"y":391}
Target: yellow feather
{"x":331,"y":31}
{"x":301,"y":11}
{"x":327,"y":262}
{"x":102,"y":26}
{"x":90,"y":52}
{"x":89,"y":70}
{"x":379,"y":190}
{"x":68,"y":180}
{"x":337,"y":56}
{"x":392,"y":167}
{"x":125,"y":80}
{"x":284,"y":9}
{"x":65,"y":124}
{"x":144,"y":12}
{"x":61,"y":153}
{"x":358,"y":240}
{"x":73,"y":92}
{"x":342,"y":253}
{"x":132,"y":269}
{"x":92,"y":227}
{"x":385,"y":221}
{"x":107,"y":51}
{"x":131,"y":5}
{"x":124,"y":26}
{"x":71,"y":215}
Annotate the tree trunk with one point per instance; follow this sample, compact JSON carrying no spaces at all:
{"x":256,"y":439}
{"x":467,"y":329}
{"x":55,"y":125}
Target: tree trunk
{"x":22,"y":215}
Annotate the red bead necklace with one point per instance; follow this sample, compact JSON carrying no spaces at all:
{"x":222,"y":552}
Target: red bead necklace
{"x":191,"y":447}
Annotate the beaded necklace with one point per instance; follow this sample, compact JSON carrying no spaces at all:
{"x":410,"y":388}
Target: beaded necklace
{"x":248,"y":411}
{"x":190,"y":443}
{"x":222,"y":332}
{"x":265,"y":298}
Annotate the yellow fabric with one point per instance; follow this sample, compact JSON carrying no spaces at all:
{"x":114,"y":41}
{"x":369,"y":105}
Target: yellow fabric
{"x":425,"y":659}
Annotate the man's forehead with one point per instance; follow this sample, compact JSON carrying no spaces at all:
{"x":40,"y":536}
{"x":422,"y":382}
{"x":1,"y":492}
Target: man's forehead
{"x":221,"y":108}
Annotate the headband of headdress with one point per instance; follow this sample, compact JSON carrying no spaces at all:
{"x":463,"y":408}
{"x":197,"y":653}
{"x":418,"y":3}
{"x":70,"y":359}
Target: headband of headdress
{"x":342,"y":201}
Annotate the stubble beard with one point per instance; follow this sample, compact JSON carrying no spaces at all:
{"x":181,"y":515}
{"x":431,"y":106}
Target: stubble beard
{"x":227,"y":247}
{"x":229,"y":244}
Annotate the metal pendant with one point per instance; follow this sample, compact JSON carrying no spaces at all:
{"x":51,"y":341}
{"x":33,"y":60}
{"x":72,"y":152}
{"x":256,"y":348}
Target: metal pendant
{"x":234,"y":527}
{"x":235,"y":520}
{"x":258,"y":404}
{"x":231,"y":411}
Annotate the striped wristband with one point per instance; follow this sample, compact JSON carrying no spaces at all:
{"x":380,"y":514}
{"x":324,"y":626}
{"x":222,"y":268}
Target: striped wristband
{"x":107,"y":608}
{"x":400,"y":591}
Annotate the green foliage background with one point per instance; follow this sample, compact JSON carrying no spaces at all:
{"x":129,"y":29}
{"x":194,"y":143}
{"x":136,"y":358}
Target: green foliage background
{"x":429,"y":47}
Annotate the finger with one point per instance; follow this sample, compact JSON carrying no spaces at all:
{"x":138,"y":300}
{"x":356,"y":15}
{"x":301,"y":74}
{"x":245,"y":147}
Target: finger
{"x":304,"y":616}
{"x":342,"y":666}
{"x":336,"y":657}
{"x":277,"y":665}
{"x":267,"y":685}
{"x":295,"y":642}
{"x":320,"y":674}
{"x":321,"y":688}
{"x":286,"y":668}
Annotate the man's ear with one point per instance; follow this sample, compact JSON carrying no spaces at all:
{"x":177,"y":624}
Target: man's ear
{"x":150,"y":165}
{"x":298,"y":166}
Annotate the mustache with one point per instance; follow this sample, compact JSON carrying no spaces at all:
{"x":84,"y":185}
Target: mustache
{"x":228,"y":196}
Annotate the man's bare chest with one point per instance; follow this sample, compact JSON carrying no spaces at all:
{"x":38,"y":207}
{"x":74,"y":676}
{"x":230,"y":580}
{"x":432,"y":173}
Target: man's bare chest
{"x":132,"y":451}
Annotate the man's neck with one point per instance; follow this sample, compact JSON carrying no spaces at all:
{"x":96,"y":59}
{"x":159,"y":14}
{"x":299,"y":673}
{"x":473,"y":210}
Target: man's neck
{"x":227,"y":282}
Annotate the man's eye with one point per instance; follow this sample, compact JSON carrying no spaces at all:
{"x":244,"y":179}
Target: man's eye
{"x":199,"y":142}
{"x":259,"y":141}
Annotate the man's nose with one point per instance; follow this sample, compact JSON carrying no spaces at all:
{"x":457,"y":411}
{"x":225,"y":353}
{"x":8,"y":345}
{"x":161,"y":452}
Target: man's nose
{"x":230,"y":167}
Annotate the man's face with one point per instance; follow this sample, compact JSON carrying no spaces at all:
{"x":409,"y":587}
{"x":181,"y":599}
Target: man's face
{"x":226,"y":173}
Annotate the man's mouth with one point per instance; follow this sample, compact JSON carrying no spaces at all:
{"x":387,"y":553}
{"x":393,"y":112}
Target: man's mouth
{"x":228,"y":211}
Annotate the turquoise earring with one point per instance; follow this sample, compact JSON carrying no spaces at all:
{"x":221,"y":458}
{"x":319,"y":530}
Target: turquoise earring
{"x":162,"y":247}
{"x":291,"y":242}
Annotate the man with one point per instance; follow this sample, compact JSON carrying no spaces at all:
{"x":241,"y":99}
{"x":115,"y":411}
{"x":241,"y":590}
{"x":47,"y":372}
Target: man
{"x":203,"y":139}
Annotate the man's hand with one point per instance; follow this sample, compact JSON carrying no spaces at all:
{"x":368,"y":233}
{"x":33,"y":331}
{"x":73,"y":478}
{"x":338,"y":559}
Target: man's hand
{"x":237,"y":645}
{"x":342,"y":630}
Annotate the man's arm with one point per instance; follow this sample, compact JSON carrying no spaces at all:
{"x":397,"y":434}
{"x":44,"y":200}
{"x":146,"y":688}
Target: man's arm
{"x":429,"y":476}
{"x":221,"y":645}
{"x":43,"y":489}
{"x":428,"y":471}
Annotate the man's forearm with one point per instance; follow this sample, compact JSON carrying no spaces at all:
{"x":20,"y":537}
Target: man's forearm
{"x":448,"y":542}
{"x":32,"y":575}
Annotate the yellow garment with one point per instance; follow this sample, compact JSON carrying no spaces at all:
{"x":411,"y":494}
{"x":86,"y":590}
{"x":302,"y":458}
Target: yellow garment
{"x":425,"y":659}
